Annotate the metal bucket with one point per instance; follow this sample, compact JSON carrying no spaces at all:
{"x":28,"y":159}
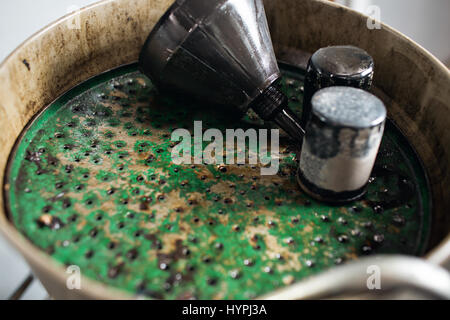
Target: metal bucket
{"x":414,"y":85}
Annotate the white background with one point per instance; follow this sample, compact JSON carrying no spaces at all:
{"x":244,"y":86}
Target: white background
{"x":426,"y":21}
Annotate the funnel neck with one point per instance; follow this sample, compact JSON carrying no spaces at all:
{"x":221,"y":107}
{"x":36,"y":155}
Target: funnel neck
{"x":272,"y":105}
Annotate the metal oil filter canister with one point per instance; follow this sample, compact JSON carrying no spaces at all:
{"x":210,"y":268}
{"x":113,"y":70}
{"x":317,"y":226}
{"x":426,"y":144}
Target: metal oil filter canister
{"x":341,"y":143}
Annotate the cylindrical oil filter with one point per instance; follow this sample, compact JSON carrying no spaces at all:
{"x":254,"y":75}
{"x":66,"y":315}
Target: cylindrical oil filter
{"x":336,"y":66}
{"x":341,"y":143}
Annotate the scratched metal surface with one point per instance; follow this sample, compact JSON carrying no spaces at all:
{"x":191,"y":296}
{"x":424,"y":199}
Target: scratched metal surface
{"x":92,"y":183}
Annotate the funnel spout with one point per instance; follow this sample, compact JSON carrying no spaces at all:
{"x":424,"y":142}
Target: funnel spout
{"x":288,"y":121}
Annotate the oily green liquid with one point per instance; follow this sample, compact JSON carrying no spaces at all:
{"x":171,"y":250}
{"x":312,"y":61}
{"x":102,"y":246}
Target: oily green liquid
{"x":92,"y":183}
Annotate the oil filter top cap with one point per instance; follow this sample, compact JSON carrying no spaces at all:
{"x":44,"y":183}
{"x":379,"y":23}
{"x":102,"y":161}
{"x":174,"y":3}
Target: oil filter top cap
{"x":346,"y":63}
{"x":336,"y":66}
{"x":341,"y":143}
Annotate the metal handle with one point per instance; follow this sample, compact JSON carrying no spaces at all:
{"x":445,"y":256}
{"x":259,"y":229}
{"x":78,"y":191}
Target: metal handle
{"x":396,"y":274}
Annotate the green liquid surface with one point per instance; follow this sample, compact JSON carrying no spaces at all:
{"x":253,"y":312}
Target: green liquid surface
{"x":92,"y":183}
